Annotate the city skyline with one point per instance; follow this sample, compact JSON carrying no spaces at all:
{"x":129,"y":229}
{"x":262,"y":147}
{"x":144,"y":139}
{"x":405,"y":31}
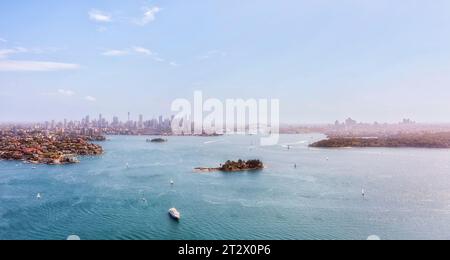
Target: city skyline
{"x":140,"y":121}
{"x":373,"y":61}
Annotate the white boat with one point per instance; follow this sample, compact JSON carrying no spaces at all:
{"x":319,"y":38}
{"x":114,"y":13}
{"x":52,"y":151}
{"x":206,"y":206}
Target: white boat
{"x":171,"y":182}
{"x":38,"y":196}
{"x":173,"y":212}
{"x":73,"y":238}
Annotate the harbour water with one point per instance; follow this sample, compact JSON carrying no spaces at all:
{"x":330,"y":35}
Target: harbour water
{"x":407,"y":192}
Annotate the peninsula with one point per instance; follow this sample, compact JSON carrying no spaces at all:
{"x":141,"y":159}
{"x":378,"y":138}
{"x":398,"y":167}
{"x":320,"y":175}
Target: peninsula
{"x":39,"y":147}
{"x":422,"y":140}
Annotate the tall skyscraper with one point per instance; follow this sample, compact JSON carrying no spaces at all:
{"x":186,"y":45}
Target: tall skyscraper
{"x":141,"y":122}
{"x":100,"y":120}
{"x":115,"y":121}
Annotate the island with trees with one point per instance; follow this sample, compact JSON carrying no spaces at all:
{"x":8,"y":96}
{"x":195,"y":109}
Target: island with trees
{"x":236,"y":166}
{"x":157,"y":140}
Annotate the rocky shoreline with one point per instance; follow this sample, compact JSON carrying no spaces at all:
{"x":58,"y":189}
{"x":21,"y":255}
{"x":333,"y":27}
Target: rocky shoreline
{"x":235,"y":166}
{"x":47,"y":148}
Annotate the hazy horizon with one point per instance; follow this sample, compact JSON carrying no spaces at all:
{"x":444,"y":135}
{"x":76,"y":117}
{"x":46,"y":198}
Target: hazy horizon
{"x":282,"y":124}
{"x":324,"y":60}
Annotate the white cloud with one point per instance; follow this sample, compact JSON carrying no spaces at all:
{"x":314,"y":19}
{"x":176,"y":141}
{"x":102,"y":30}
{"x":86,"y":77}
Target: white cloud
{"x":142,"y":50}
{"x":115,"y":53}
{"x":212,"y":54}
{"x":66,"y":92}
{"x":125,"y":52}
{"x":60,"y":92}
{"x":137,"y":50}
{"x":36,"y":66}
{"x":149,"y":15}
{"x":4,"y":53}
{"x":99,"y":16}
{"x":90,"y":98}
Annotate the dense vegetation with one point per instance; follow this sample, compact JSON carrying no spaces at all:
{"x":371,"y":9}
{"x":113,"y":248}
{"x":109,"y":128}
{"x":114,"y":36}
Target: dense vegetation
{"x":157,"y":140}
{"x":231,"y":166}
{"x":424,"y":140}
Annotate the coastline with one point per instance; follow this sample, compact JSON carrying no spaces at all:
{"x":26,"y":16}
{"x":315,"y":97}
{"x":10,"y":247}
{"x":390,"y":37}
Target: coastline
{"x":419,"y":141}
{"x":37,"y":147}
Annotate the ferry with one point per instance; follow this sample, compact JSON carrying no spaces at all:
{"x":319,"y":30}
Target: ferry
{"x":173,"y":212}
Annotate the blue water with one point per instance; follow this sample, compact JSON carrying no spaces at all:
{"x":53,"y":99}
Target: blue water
{"x":407,"y":193}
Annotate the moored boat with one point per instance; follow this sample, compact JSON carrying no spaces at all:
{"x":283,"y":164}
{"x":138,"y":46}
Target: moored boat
{"x":173,"y":212}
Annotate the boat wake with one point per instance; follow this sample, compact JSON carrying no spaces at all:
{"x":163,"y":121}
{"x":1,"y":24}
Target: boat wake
{"x":212,"y":142}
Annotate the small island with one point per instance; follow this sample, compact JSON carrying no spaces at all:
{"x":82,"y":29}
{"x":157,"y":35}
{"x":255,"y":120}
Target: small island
{"x":38,"y":147}
{"x":236,"y":166}
{"x":422,"y":140}
{"x":157,"y":140}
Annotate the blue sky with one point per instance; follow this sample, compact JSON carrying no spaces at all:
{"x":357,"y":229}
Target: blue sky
{"x":325,"y":60}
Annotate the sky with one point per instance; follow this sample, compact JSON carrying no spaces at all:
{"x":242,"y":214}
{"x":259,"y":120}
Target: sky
{"x":323,"y":59}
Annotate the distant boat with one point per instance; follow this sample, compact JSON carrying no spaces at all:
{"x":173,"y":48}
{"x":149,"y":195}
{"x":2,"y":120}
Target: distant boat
{"x":363,"y":193}
{"x":171,"y":182}
{"x":38,"y":196}
{"x":73,"y":238}
{"x":127,"y":165}
{"x":173,"y":212}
